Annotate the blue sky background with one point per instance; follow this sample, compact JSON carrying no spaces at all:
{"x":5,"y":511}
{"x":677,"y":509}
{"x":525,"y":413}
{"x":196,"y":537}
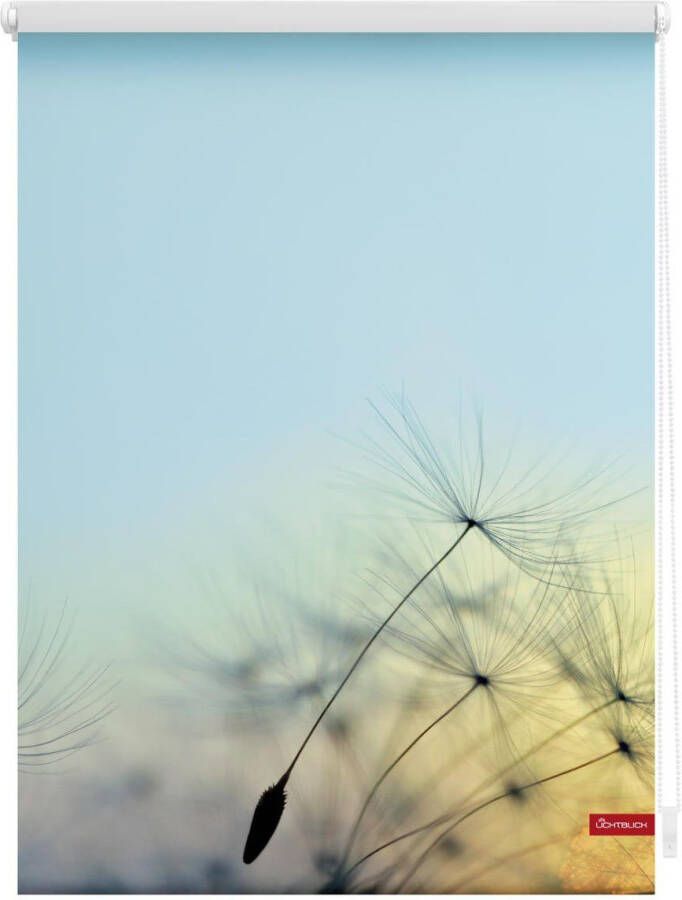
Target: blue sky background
{"x":228,"y":243}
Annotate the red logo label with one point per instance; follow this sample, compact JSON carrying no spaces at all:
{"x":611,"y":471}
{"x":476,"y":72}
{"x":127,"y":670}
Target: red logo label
{"x":622,"y":824}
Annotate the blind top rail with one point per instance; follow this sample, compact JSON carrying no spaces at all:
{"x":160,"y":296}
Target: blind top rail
{"x":319,"y":16}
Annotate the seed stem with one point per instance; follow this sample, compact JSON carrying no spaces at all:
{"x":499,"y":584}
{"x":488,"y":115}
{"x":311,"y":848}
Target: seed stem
{"x":495,"y":799}
{"x":375,"y":635}
{"x":444,"y":818}
{"x":387,"y":771}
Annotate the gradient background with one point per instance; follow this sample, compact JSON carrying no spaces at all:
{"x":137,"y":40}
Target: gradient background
{"x":227,"y":243}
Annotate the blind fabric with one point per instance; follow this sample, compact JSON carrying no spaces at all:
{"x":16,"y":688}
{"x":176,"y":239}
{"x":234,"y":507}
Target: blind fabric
{"x":424,"y":620}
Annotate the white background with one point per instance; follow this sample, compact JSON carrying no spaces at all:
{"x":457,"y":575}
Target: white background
{"x":669,"y":872}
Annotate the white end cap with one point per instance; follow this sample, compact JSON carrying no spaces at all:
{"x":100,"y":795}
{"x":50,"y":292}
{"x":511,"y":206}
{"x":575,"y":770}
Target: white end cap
{"x":669,"y":815}
{"x":8,"y":19}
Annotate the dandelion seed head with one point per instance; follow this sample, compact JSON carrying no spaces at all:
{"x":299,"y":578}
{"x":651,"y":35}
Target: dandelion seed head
{"x":451,"y":847}
{"x":522,"y":514}
{"x":514,"y":791}
{"x":62,"y":702}
{"x":633,"y":740}
{"x":609,"y":654}
{"x":499,"y":635}
{"x":272,"y":659}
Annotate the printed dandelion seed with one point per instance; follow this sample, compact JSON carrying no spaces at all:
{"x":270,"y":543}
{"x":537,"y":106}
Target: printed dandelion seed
{"x":630,"y":743}
{"x":480,"y":601}
{"x":610,"y":654}
{"x":510,"y":519}
{"x":603,"y":645}
{"x":321,"y":803}
{"x":505,"y":631}
{"x":264,"y":663}
{"x":568,"y":625}
{"x":629,"y":746}
{"x":59,"y":708}
{"x":349,"y":673}
{"x":517,"y":512}
{"x":480,"y":680}
{"x":266,"y":818}
{"x":500,"y":649}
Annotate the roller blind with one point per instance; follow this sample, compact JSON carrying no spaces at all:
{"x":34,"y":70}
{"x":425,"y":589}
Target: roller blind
{"x":336,"y":447}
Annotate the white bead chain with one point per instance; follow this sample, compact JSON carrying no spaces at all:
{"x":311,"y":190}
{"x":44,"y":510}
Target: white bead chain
{"x":666,"y":601}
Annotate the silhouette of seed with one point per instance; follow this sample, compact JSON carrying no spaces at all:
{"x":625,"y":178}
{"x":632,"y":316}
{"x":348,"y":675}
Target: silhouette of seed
{"x":265,"y":819}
